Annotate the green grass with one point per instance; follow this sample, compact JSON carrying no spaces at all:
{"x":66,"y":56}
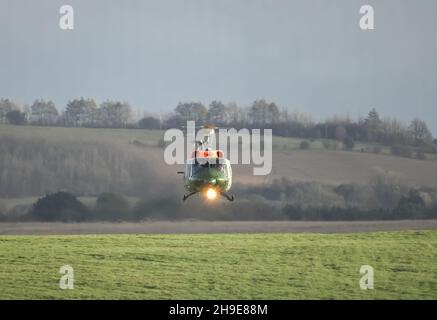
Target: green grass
{"x":220,"y":266}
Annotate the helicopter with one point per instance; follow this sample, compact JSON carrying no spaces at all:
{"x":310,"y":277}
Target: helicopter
{"x":207,"y":172}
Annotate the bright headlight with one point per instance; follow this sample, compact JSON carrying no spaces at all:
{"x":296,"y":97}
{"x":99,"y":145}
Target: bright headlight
{"x":211,"y":194}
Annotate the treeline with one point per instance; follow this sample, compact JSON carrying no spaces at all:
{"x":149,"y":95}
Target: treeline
{"x":78,"y":112}
{"x":383,"y":197}
{"x":261,"y":114}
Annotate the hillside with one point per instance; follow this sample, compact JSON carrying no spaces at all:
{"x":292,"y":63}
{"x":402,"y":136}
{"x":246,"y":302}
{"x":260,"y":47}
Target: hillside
{"x":310,"y":184}
{"x":138,"y":152}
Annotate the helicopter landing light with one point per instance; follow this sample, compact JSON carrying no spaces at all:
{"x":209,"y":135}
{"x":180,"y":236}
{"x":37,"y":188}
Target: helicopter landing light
{"x":211,"y":194}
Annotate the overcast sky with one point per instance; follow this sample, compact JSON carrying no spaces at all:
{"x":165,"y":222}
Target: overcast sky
{"x":308,"y":55}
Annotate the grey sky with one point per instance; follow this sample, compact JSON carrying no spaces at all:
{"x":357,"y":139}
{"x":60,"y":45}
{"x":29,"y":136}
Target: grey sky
{"x":308,"y":55}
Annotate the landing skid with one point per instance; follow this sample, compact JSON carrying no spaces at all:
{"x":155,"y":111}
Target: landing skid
{"x":227,"y":196}
{"x":223,"y":194}
{"x":186,"y":196}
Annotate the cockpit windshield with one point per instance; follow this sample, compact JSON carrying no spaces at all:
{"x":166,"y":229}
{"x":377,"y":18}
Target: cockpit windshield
{"x":199,"y":167}
{"x":205,"y":168}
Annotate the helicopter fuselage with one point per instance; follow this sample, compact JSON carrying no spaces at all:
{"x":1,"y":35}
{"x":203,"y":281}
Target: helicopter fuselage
{"x":202,"y":175}
{"x":208,"y":171}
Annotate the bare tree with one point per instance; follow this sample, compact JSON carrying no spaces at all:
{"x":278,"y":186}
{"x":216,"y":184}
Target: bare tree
{"x":217,"y":113}
{"x":6,"y":106}
{"x":115,"y":113}
{"x":420,"y":132}
{"x":81,"y":112}
{"x":191,"y":111}
{"x":44,"y":112}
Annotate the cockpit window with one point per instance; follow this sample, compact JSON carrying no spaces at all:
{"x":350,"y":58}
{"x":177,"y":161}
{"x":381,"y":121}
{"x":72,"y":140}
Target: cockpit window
{"x":199,"y":168}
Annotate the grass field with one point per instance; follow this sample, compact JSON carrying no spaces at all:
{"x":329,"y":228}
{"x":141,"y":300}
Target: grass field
{"x":221,"y":266}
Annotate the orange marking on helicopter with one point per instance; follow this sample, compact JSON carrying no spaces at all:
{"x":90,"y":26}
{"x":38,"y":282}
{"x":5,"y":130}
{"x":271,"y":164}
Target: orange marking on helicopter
{"x":208,"y":154}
